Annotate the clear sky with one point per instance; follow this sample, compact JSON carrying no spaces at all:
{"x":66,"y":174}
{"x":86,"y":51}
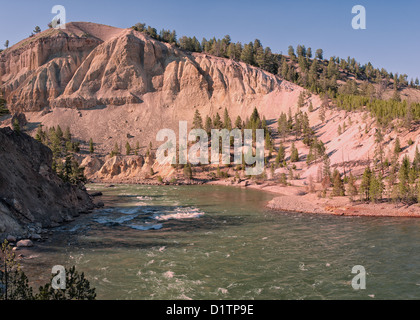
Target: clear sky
{"x":391,"y":39}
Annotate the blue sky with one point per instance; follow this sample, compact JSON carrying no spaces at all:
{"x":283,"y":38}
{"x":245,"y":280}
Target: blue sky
{"x":391,"y":39}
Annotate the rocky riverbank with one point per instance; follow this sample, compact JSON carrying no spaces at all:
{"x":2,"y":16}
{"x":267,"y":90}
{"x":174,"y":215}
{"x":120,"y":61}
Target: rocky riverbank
{"x":32,"y":196}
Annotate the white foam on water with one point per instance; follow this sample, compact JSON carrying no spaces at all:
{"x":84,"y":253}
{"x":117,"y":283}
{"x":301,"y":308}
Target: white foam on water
{"x":179,"y":213}
{"x":146,"y":226}
{"x":169,"y":274}
{"x":122,"y":219}
{"x":128,"y":210}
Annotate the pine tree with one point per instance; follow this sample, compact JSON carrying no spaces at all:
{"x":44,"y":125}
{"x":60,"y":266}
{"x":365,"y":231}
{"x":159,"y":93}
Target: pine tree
{"x":376,"y":187}
{"x":322,"y":114}
{"x":238,"y":123}
{"x":365,"y":184}
{"x":208,"y":125}
{"x":351,"y":187}
{"x":403,"y":177}
{"x":59,"y":132}
{"x":291,"y":53}
{"x":283,"y":179}
{"x":301,"y":100}
{"x":217,"y":122}
{"x":198,"y":121}
{"x":280,"y":155}
{"x":91,"y":148}
{"x":227,"y":122}
{"x":338,"y":185}
{"x":416,"y":160}
{"x":115,"y":151}
{"x":418,"y":192}
{"x":16,"y":126}
{"x":294,"y":153}
{"x":67,"y":134}
{"x":283,"y":126}
{"x":247,"y":54}
{"x":319,"y":54}
{"x":397,"y":147}
{"x":311,"y":107}
{"x":326,"y":171}
{"x":188,"y":173}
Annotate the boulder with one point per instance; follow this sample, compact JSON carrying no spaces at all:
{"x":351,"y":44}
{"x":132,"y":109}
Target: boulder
{"x":25,"y":243}
{"x":11,"y":238}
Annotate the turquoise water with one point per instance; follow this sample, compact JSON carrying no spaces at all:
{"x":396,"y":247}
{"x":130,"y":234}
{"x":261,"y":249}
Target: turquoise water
{"x":211,"y":242}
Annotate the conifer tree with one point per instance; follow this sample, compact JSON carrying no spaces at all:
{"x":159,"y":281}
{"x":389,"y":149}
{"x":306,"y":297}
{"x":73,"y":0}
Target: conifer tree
{"x":365,"y":184}
{"x":294,"y":153}
{"x":351,"y":187}
{"x":91,"y":148}
{"x":208,"y":125}
{"x":238,"y":123}
{"x":376,"y":187}
{"x":403,"y":178}
{"x":397,"y":147}
{"x":217,"y":122}
{"x":280,"y":155}
{"x":127,"y":148}
{"x":197,"y":121}
{"x":227,"y":122}
{"x":338,"y":186}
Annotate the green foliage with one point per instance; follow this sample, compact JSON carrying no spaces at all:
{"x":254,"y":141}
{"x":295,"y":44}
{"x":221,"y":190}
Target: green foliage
{"x":365,"y":184}
{"x":197,"y":121}
{"x":16,"y":283}
{"x":338,"y":185}
{"x":3,"y":108}
{"x":127,"y":148}
{"x":384,"y":110}
{"x":91,"y":146}
{"x":115,"y":151}
{"x":16,"y":126}
{"x":376,"y":187}
{"x":294,"y":154}
{"x":351,"y":186}
{"x":77,"y":288}
{"x":63,"y":149}
{"x":188,"y":173}
{"x":280,"y":155}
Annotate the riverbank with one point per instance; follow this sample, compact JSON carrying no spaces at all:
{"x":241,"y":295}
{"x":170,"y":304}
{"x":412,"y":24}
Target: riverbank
{"x":296,"y":199}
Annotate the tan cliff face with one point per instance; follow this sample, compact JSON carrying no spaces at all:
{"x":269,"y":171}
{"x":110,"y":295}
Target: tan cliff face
{"x":118,"y":85}
{"x":76,"y":69}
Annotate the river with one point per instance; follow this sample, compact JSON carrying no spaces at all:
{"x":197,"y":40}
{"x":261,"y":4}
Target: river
{"x":214,"y":242}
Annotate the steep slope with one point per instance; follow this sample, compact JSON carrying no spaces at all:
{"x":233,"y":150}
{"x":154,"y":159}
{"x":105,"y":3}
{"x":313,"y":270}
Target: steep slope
{"x":117,"y":85}
{"x":129,"y":84}
{"x":31,"y":194}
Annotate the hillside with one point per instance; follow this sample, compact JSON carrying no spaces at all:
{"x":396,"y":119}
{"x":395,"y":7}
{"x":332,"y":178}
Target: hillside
{"x":118,"y":86}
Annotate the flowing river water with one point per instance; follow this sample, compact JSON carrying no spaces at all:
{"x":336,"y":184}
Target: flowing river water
{"x":214,"y":242}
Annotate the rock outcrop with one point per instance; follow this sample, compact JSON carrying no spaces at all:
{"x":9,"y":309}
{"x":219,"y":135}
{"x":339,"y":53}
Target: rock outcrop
{"x":31,"y":194}
{"x":88,"y":65}
{"x":115,"y":85}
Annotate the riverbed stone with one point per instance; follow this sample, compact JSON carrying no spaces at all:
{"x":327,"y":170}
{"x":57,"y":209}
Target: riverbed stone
{"x":35,"y":236}
{"x":25,"y":243}
{"x":11,"y":238}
